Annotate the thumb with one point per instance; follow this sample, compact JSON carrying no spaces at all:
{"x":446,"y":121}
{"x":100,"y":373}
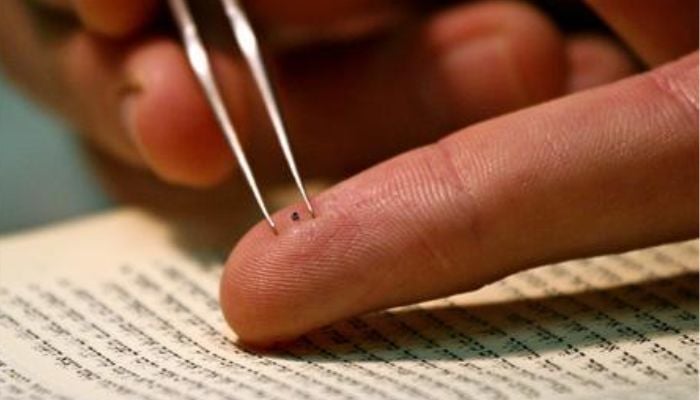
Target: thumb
{"x":600,"y":171}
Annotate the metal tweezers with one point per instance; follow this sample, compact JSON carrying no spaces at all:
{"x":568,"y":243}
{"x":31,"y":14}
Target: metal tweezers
{"x":249,"y":47}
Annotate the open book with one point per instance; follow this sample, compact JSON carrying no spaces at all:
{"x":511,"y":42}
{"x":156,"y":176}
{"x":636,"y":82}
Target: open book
{"x":113,"y":308}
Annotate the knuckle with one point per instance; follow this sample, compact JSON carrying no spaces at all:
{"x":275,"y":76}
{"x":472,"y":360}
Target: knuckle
{"x":678,"y":83}
{"x":460,"y":229}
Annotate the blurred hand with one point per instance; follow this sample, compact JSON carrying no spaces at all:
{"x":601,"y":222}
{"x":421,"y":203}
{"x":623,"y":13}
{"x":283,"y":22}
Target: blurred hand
{"x":591,"y":172}
{"x":392,"y":79}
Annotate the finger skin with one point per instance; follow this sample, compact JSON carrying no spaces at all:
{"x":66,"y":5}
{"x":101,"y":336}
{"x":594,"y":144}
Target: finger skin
{"x":313,"y":11}
{"x":115,"y":18}
{"x":288,"y":21}
{"x":595,"y":60}
{"x":604,"y":170}
{"x":143,"y":105}
{"x":523,"y":50}
{"x":659,"y":31}
{"x":93,"y":74}
{"x":170,"y":121}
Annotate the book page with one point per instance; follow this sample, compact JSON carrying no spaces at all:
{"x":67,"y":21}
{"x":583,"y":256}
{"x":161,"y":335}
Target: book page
{"x":112,"y":308}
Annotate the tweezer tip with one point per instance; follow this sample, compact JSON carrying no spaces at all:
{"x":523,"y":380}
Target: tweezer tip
{"x":307,"y":201}
{"x":272,"y":225}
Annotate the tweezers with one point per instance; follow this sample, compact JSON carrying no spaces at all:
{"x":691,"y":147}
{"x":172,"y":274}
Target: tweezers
{"x":249,"y":47}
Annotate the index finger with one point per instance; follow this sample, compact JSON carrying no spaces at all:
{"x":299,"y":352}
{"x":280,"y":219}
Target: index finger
{"x":603,"y":170}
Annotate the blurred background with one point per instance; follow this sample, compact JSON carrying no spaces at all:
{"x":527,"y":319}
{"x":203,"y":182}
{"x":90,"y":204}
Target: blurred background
{"x":44,"y":175}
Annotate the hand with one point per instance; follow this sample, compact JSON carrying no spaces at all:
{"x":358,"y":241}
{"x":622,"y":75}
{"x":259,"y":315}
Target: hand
{"x":124,"y":82}
{"x":603,"y":170}
{"x":598,"y":171}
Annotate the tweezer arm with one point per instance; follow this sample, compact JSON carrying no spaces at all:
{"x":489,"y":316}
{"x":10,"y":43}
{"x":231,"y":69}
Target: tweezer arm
{"x":201,"y":66}
{"x":250,"y":48}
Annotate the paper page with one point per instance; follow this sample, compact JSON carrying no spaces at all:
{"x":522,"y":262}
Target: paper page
{"x":110,"y":308}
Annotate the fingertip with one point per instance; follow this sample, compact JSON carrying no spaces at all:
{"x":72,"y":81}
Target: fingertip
{"x":115,"y":18}
{"x":170,"y":120}
{"x":362,"y":252}
{"x":277,"y":287}
{"x":507,"y":52}
{"x":240,"y":296}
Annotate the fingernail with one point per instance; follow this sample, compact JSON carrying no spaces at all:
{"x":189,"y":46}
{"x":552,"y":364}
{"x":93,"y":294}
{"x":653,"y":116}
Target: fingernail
{"x":482,"y":77}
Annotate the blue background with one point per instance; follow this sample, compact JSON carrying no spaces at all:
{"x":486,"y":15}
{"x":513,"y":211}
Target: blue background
{"x":44,"y":175}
